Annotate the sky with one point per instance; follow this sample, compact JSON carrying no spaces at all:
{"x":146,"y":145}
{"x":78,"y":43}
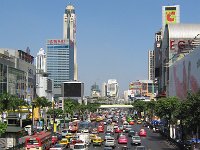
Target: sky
{"x":113,"y":36}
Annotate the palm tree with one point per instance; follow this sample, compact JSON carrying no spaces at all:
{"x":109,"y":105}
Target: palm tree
{"x":41,"y":103}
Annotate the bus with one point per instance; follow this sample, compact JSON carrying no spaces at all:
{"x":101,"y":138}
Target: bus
{"x":39,"y":141}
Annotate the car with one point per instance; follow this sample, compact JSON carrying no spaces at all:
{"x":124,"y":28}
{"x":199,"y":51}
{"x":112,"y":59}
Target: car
{"x":107,"y":135}
{"x":142,"y":132}
{"x":131,"y":133}
{"x":54,"y":139}
{"x":68,"y":135}
{"x":92,"y":137}
{"x":136,"y":140}
{"x":80,"y":146}
{"x":64,"y":141}
{"x":100,"y":129}
{"x":128,"y":128}
{"x":122,"y":140}
{"x":98,"y":141}
{"x":64,"y":133}
{"x":58,"y":147}
{"x":110,"y":142}
{"x":131,"y":122}
{"x":139,"y":121}
{"x":118,"y":130}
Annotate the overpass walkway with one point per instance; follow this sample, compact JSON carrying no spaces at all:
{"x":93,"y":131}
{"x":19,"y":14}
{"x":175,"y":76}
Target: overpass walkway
{"x":116,"y":106}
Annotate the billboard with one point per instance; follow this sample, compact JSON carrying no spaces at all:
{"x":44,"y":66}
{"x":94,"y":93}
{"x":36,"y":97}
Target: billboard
{"x":72,"y":89}
{"x":184,"y":75}
{"x":170,"y":15}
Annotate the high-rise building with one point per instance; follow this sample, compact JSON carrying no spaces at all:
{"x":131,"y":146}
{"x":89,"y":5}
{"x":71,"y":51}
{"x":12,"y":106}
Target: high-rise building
{"x":151,"y":65}
{"x":43,"y":84}
{"x":59,"y":63}
{"x":69,"y":33}
{"x":112,"y":88}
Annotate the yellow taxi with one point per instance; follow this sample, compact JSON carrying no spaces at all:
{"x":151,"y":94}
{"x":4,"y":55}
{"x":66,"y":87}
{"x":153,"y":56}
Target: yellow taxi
{"x":92,"y":137}
{"x":139,"y":121}
{"x":64,"y":141}
{"x":98,"y":141}
{"x":69,"y":135}
{"x":99,"y":118}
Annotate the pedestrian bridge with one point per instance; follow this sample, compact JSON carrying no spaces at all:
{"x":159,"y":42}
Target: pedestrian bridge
{"x":116,"y":106}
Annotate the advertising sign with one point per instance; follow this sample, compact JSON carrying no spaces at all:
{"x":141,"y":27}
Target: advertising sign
{"x":178,"y":46}
{"x":184,"y":75}
{"x":170,"y":15}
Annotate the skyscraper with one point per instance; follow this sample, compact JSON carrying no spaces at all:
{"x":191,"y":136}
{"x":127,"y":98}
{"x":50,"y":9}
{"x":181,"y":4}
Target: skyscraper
{"x":59,"y":63}
{"x":61,"y":53}
{"x":151,"y":65}
{"x":69,"y":33}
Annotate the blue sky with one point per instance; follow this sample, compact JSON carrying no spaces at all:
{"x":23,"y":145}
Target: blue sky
{"x":113,"y":36}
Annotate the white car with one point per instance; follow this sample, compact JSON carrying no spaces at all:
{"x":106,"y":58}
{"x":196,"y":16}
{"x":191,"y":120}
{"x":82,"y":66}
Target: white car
{"x":80,"y":146}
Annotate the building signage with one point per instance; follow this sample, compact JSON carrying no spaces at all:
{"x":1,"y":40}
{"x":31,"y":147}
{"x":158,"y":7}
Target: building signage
{"x":180,"y":45}
{"x":170,"y":15}
{"x":56,"y":42}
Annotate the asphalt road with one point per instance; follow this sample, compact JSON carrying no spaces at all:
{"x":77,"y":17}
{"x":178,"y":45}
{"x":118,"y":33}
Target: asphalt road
{"x":153,"y":141}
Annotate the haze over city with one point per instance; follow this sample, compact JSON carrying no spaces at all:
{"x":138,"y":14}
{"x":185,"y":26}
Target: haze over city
{"x":113,"y":37}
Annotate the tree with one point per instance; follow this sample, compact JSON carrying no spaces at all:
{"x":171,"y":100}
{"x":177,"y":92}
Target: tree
{"x":57,"y":112}
{"x":41,"y":102}
{"x":140,"y":106}
{"x":167,"y":108}
{"x":189,"y":112}
{"x":69,"y":106}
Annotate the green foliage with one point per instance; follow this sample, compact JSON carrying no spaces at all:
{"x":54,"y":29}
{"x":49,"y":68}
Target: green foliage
{"x":70,"y":106}
{"x":92,"y":107}
{"x":41,"y":102}
{"x":57,"y":112}
{"x":10,"y":102}
{"x":140,"y":106}
{"x":3,"y":127}
{"x":167,"y":107}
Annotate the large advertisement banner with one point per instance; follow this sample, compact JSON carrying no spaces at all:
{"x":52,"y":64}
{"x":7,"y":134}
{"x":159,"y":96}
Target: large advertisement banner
{"x":170,"y":15}
{"x":184,"y":75}
{"x":179,"y":46}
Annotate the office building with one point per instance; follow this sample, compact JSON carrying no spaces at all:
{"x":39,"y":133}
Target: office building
{"x":112,"y":88}
{"x":44,"y":86}
{"x":59,"y":63}
{"x":17,"y":72}
{"x":151,"y":65}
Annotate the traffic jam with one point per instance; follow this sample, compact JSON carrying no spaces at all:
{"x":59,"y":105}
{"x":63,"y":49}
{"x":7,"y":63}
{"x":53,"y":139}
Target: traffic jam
{"x":105,"y":130}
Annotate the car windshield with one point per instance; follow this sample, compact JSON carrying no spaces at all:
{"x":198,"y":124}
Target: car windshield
{"x":136,"y":138}
{"x":58,"y":145}
{"x":78,"y":146}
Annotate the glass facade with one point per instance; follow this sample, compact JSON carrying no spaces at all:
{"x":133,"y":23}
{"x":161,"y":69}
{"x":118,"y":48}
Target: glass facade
{"x":58,"y":63}
{"x":3,"y":78}
{"x":17,"y":82}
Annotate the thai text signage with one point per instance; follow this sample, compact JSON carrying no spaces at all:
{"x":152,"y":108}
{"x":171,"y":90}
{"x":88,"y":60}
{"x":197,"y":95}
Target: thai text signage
{"x":56,"y":42}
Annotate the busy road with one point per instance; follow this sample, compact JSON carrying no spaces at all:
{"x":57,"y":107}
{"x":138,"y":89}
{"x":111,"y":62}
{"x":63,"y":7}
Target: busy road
{"x":153,"y":141}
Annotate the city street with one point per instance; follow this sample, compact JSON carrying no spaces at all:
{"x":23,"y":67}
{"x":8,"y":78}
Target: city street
{"x":153,"y":141}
